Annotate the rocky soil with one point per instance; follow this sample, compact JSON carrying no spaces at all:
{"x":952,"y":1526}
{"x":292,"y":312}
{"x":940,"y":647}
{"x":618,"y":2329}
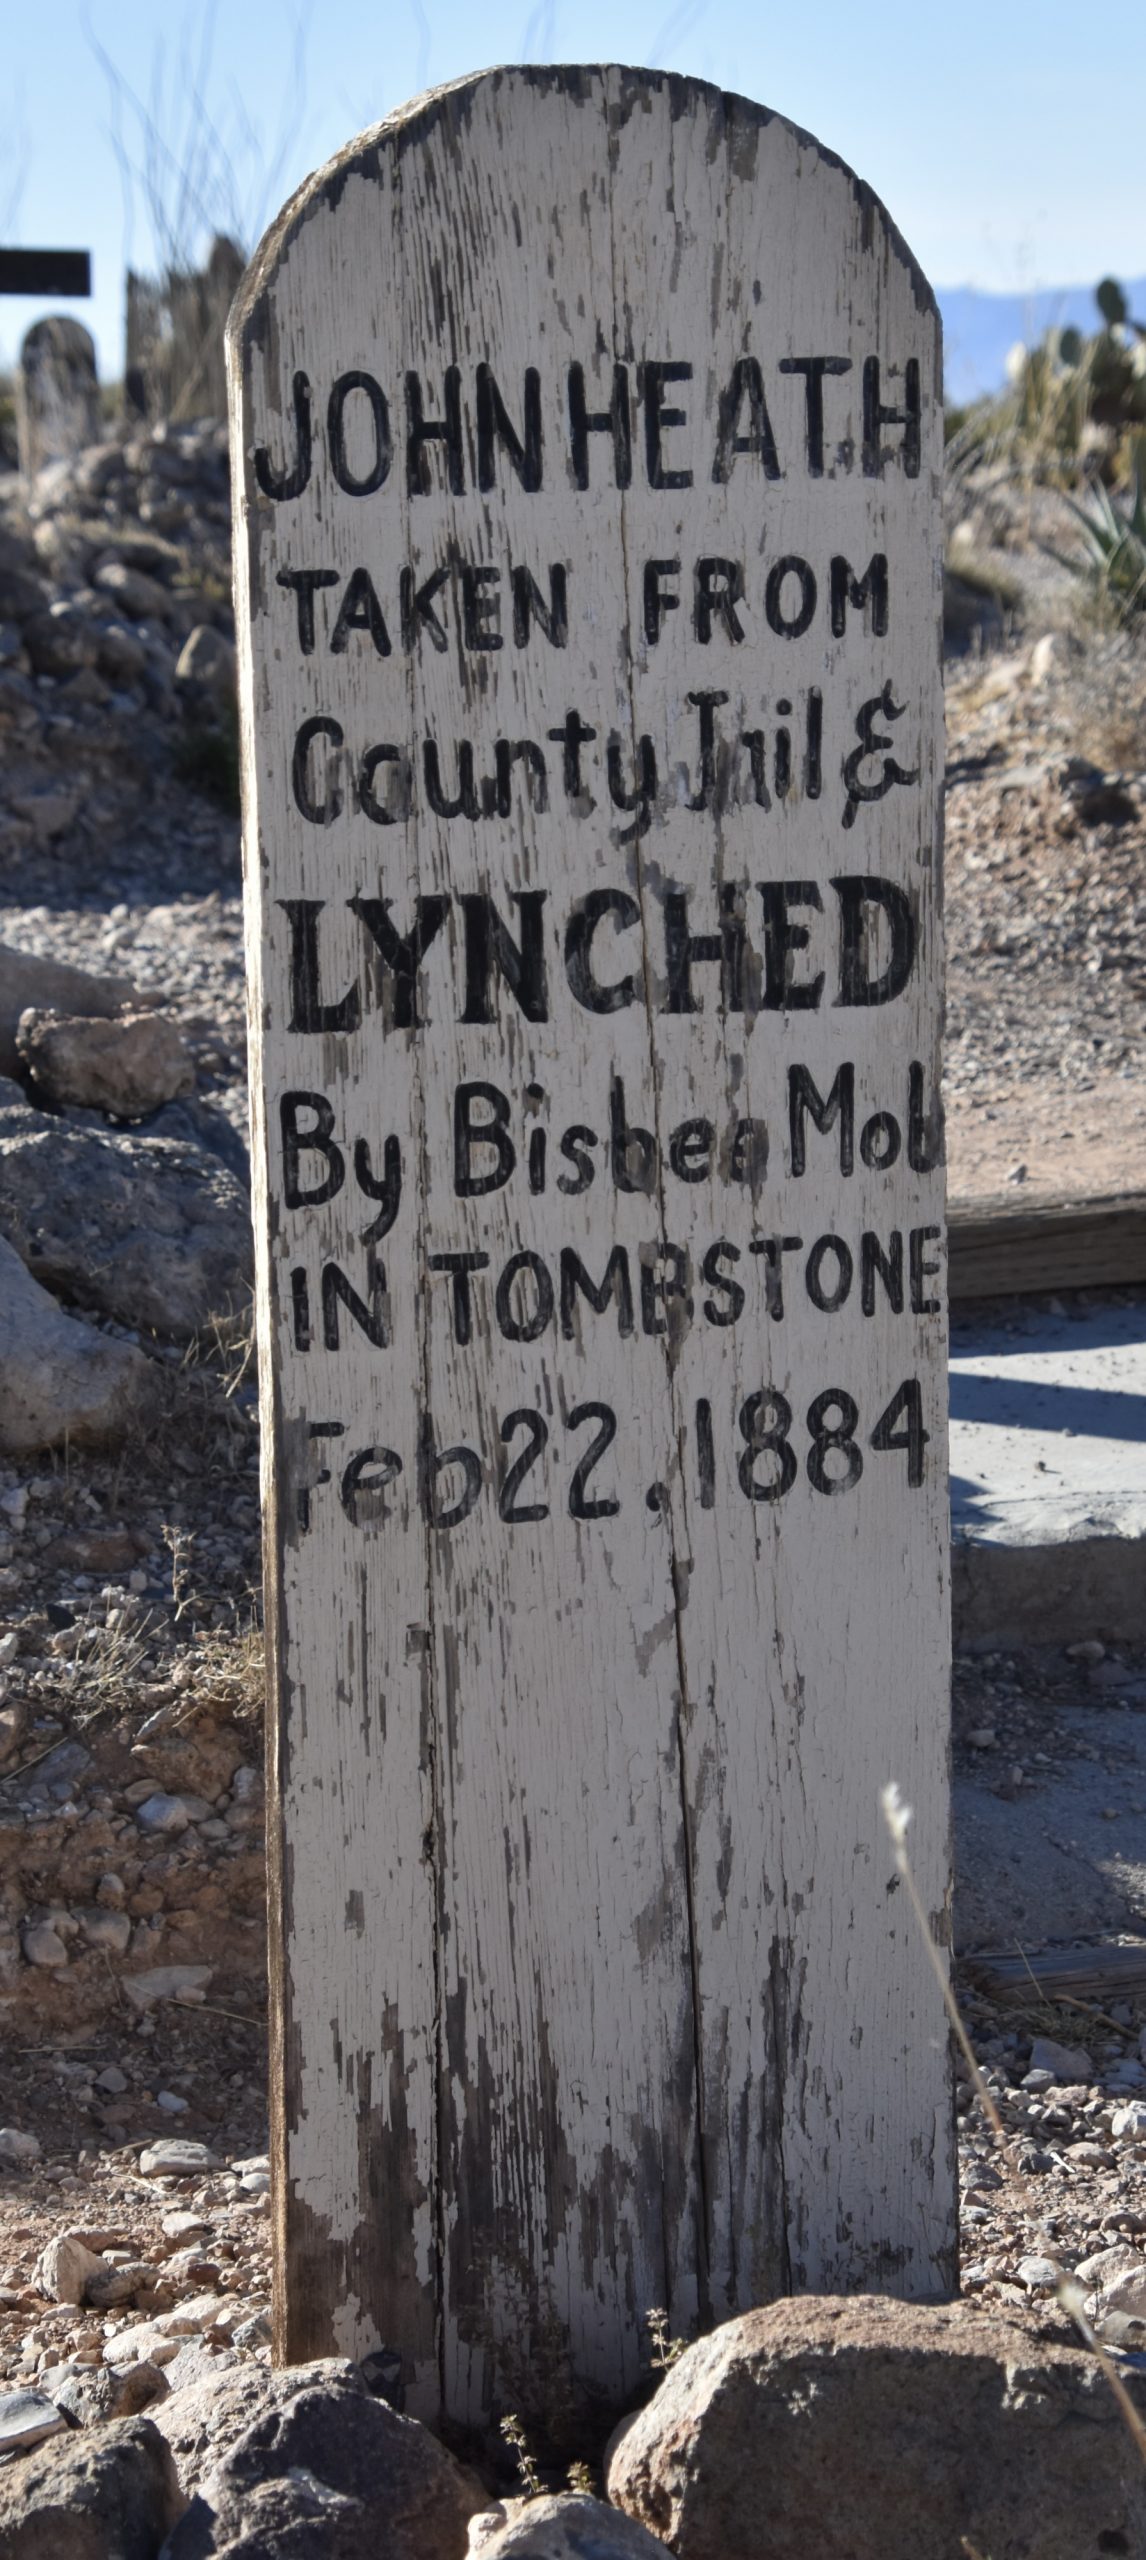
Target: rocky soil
{"x":1046,"y":857}
{"x":131,"y":1869}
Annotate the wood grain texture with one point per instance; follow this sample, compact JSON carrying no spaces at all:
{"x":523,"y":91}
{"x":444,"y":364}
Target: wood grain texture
{"x":1002,"y":1247}
{"x":1085,"y":1974}
{"x":593,"y":1990}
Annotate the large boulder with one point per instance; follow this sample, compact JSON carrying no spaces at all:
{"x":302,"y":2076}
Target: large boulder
{"x":148,"y":1230}
{"x":128,"y":1067}
{"x":332,"y":2474}
{"x":111,"y":2495}
{"x":865,"y":2429}
{"x":61,"y":1379}
{"x":204,"y":2421}
{"x":27,"y":980}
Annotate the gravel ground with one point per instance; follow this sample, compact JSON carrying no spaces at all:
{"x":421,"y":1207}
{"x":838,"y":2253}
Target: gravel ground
{"x":191,"y":2253}
{"x":1068,"y":2184}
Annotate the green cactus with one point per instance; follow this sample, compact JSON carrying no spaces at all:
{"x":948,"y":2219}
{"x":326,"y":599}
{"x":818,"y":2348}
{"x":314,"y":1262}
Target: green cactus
{"x":1112,"y":303}
{"x":1069,"y":381}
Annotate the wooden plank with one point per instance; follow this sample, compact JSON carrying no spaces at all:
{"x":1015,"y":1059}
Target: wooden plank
{"x":1076,"y":1973}
{"x":590,"y":1992}
{"x":63,"y":271}
{"x":1008,"y":1247}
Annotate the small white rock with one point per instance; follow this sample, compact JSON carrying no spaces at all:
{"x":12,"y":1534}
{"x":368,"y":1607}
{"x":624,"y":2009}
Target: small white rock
{"x":183,"y":2226}
{"x":28,"y":2418}
{"x":17,"y":2150}
{"x":171,"y":2103}
{"x":173,"y":2159}
{"x":164,"y":1982}
{"x":189,"y":2319}
{"x":66,"y":2267}
{"x":1040,"y":2275}
{"x":144,"y":2343}
{"x":162,"y":1813}
{"x":1064,"y":2062}
{"x":43,"y":1946}
{"x":110,"y":1929}
{"x":1128,"y":2123}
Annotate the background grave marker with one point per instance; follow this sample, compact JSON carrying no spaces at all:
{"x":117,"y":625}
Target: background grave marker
{"x":588,"y":435}
{"x":57,"y":393}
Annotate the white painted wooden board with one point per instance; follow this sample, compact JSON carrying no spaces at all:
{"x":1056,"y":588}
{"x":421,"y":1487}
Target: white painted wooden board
{"x":593,"y":1990}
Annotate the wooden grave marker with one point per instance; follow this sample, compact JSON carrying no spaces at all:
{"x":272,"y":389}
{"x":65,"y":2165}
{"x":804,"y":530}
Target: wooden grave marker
{"x":588,"y":440}
{"x":57,"y":393}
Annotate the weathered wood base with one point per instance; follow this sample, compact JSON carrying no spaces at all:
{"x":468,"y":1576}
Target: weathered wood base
{"x":1008,"y":1247}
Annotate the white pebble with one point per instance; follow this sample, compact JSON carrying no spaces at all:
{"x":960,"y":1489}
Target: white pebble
{"x":1040,"y":2275}
{"x":17,"y":2150}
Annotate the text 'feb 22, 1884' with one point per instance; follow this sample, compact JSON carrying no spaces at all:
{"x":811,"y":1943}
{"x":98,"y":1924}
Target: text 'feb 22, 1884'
{"x":590,"y":429}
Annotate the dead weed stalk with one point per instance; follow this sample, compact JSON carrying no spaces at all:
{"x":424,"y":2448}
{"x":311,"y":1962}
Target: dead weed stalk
{"x":897,"y":1816}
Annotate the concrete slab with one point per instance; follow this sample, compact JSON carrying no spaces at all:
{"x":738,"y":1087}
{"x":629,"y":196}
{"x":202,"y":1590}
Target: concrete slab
{"x":1048,"y":1474}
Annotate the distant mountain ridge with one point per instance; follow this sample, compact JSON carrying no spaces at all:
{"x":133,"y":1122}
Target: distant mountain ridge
{"x":979,"y":329}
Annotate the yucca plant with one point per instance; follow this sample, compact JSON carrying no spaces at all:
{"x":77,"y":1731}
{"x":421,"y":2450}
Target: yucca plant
{"x":1115,"y":541}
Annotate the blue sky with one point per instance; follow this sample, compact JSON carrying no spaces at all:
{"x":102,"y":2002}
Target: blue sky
{"x":1001,"y":135}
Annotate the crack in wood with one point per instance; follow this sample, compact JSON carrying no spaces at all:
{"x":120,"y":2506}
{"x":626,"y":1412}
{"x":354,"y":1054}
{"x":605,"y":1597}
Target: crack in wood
{"x":580,"y":1971}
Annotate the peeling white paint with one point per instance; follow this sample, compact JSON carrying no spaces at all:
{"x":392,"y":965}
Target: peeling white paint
{"x":593,"y":1988}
